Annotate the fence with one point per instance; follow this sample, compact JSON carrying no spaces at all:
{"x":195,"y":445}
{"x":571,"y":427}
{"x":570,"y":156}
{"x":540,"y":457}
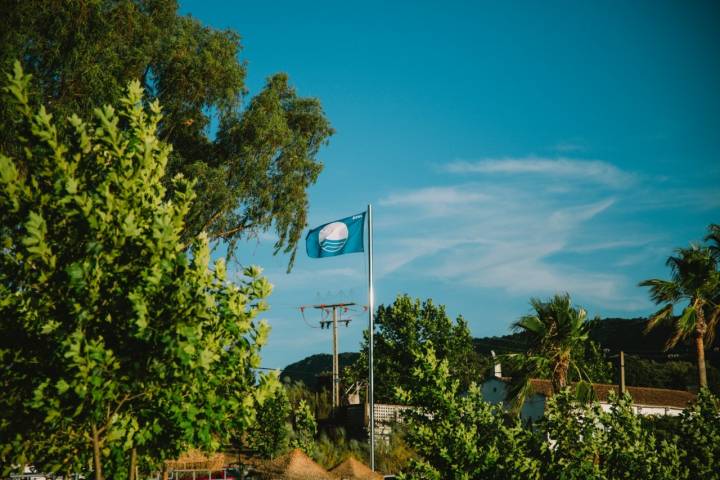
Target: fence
{"x":184,"y":474}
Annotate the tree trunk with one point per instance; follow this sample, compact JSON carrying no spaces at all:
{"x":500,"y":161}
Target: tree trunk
{"x":165,"y":474}
{"x":133,"y":464}
{"x":702,"y":375}
{"x":96,"y":453}
{"x":559,"y":375}
{"x":700,"y":329}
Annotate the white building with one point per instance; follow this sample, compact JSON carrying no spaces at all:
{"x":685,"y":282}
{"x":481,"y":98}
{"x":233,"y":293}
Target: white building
{"x":646,"y":400}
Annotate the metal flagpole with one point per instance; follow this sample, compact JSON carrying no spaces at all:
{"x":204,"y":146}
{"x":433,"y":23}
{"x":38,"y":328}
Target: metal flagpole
{"x":371,"y":322}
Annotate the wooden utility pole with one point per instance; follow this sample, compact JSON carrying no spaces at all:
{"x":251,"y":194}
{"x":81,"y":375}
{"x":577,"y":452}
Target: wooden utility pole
{"x":336,"y":361}
{"x":622,"y":372}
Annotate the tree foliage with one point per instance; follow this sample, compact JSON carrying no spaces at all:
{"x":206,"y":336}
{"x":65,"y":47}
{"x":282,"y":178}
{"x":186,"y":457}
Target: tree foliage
{"x":269,"y":436}
{"x":695,"y":279}
{"x":585,"y":442}
{"x":403,"y":328}
{"x":282,"y":424}
{"x":458,"y":435}
{"x":113,"y":336}
{"x":699,"y":437}
{"x":558,"y":342}
{"x":672,"y":374}
{"x":304,"y":428}
{"x":253,"y":160}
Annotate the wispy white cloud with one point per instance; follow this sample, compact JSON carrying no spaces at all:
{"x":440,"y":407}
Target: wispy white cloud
{"x":514,"y":232}
{"x":303,"y":277}
{"x":607,"y":245}
{"x":579,"y":213}
{"x":581,"y":170}
{"x":436,"y":200}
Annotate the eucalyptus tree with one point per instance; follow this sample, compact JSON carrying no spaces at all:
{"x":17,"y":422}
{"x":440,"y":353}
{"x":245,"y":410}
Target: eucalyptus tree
{"x":253,"y":157}
{"x":555,"y":333}
{"x":115,"y":337}
{"x":695,"y":279}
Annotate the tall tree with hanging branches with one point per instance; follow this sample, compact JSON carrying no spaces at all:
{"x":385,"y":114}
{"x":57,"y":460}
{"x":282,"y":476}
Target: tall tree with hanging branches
{"x":253,"y":157}
{"x":694,"y":279}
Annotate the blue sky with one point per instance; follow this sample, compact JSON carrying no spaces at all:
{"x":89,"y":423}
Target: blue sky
{"x":509,"y":149}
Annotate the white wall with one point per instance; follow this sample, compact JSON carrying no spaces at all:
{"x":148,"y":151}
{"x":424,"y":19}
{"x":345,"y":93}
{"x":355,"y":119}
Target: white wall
{"x":494,"y":391}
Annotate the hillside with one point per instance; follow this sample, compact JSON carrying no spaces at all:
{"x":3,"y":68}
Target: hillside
{"x":612,"y":334}
{"x":647,"y":364}
{"x":312,"y":369}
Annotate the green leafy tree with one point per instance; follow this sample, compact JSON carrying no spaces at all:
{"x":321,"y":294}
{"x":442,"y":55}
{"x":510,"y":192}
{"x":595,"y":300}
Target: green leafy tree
{"x":269,"y":436}
{"x":629,"y":450}
{"x":253,"y":158}
{"x":319,"y":402}
{"x":279,"y":426}
{"x":694,"y":279}
{"x":699,"y":437}
{"x":674,"y":374}
{"x":557,"y":335}
{"x":114,"y":339}
{"x":304,"y":428}
{"x":572,"y":449}
{"x":404,"y":327}
{"x":456,"y":434}
{"x":585,"y":442}
{"x":335,"y":445}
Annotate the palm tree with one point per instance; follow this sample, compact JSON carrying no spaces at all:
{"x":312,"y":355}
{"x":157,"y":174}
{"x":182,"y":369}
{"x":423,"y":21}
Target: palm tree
{"x":555,"y":333}
{"x":713,"y":237}
{"x":694,"y":279}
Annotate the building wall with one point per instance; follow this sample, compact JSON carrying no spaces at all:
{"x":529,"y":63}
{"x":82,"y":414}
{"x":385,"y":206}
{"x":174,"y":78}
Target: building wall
{"x":647,"y":410}
{"x":495,"y":390}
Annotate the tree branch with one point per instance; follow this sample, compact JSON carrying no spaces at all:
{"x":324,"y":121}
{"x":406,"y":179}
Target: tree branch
{"x":123,"y":401}
{"x":224,"y":235}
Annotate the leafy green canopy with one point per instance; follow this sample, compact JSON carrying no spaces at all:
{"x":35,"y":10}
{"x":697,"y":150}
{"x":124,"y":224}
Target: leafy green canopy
{"x":585,"y":442}
{"x":699,"y":437}
{"x":112,"y":336}
{"x":253,"y":161}
{"x":457,"y":435}
{"x":281,"y":425}
{"x":403,"y":328}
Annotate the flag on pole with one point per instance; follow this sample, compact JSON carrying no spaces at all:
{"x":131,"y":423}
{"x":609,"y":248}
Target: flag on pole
{"x":336,"y":238}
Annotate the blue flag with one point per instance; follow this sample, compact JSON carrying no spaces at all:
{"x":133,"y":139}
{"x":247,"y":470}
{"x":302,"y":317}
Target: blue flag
{"x":336,"y":238}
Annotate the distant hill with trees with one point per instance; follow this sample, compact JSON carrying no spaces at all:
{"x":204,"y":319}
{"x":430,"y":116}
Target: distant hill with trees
{"x":315,"y":371}
{"x":646,"y":364}
{"x":612,"y":334}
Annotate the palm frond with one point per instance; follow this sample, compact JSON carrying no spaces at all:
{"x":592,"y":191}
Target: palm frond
{"x":530,"y":324}
{"x":713,"y":237}
{"x":663,"y":291}
{"x":658,"y":317}
{"x":712,"y":320}
{"x":518,"y":391}
{"x":684,"y":326}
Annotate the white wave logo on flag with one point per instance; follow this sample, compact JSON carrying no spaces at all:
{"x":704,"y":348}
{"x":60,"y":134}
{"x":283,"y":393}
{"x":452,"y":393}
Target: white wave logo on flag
{"x":333,"y":236}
